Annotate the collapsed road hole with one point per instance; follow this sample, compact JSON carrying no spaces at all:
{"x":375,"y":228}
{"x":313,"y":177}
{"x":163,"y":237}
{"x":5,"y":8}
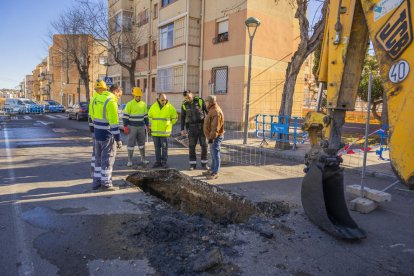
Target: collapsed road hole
{"x":195,"y":197}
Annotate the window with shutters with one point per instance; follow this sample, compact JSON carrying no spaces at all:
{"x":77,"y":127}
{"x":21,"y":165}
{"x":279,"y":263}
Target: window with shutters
{"x":222,"y":31}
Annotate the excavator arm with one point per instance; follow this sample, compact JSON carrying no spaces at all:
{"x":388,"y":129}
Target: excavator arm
{"x":349,"y":26}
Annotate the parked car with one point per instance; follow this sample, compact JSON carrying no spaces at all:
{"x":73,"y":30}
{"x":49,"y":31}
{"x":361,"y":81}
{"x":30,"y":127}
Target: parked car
{"x":15,"y":105}
{"x":53,"y":106}
{"x":78,"y":111}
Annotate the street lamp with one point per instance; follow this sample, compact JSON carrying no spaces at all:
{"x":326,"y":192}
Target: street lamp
{"x":251,"y":23}
{"x":103,"y":60}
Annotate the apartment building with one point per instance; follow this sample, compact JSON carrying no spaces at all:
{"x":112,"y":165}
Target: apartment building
{"x":28,"y":85}
{"x":226,"y":56}
{"x":41,"y":81}
{"x":36,"y":83}
{"x":45,"y":80}
{"x":203,"y":45}
{"x":134,"y":24}
{"x":66,"y":86}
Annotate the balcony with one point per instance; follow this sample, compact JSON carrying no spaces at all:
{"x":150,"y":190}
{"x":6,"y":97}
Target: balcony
{"x":221,"y":38}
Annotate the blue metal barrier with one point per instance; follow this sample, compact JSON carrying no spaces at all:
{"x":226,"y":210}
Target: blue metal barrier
{"x":278,"y":128}
{"x":383,"y":134}
{"x":34,"y":108}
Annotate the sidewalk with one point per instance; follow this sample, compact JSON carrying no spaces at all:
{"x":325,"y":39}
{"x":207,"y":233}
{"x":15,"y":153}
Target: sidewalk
{"x":352,"y":162}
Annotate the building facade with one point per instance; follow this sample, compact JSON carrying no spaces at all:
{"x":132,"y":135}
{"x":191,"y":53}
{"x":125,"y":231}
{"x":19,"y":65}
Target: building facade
{"x":28,"y":84}
{"x":203,"y":45}
{"x":66,"y":86}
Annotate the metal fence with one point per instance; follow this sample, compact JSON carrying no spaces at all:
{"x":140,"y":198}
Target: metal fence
{"x":285,"y":129}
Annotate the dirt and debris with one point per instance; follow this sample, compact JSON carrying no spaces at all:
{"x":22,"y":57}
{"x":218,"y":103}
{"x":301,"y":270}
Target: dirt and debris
{"x":174,"y":243}
{"x":196,"y":197}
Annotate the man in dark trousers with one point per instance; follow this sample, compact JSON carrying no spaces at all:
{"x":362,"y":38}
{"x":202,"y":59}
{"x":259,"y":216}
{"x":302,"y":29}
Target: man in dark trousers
{"x":193,"y":111}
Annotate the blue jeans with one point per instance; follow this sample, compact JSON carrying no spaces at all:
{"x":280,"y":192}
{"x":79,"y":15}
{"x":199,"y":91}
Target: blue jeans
{"x":215,"y":154}
{"x":161,"y":149}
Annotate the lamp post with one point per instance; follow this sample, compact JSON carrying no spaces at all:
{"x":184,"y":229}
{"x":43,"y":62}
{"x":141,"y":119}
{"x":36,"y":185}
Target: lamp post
{"x":251,"y":23}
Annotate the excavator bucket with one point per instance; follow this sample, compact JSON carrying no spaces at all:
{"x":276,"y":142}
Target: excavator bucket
{"x":323,"y":200}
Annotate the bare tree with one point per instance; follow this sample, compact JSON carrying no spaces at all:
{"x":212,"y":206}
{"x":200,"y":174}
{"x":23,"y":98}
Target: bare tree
{"x":73,"y":44}
{"x":117,"y":32}
{"x":306,"y":46}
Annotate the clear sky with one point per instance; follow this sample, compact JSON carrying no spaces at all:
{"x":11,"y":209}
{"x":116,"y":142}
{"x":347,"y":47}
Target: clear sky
{"x":25,"y":25}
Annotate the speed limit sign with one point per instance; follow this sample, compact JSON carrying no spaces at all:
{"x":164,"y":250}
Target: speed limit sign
{"x":399,"y":71}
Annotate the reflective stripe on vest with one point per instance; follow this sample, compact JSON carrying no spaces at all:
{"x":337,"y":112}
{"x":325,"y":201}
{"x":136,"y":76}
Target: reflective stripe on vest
{"x":200,"y":103}
{"x":102,"y":123}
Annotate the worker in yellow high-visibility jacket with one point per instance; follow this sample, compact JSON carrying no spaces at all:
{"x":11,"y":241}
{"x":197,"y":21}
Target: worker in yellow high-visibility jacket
{"x":162,"y":116}
{"x":100,"y":86}
{"x":135,"y":119}
{"x":107,"y":136}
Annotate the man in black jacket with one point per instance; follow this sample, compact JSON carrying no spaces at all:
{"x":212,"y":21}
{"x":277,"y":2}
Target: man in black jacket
{"x":193,"y":111}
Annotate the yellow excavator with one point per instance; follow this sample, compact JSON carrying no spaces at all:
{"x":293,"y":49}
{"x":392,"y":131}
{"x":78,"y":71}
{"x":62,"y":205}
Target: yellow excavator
{"x":349,"y":26}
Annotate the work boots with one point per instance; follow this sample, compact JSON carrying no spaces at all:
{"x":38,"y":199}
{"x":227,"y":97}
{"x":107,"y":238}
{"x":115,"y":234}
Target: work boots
{"x":143,"y":160}
{"x":130,"y":154}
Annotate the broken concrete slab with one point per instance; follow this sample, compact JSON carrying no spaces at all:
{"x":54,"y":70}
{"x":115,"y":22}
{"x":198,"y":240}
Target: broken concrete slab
{"x":375,"y":195}
{"x":362,"y":205}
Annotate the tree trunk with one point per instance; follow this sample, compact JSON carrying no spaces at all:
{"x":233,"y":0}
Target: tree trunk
{"x":86,"y":84}
{"x":305,"y":48}
{"x":374,"y":110}
{"x":286,"y":106}
{"x":131,"y":77}
{"x":292,"y":72}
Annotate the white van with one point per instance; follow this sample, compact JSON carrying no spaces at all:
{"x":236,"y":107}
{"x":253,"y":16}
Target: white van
{"x":15,"y":105}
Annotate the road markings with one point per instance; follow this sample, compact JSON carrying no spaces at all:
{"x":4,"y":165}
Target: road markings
{"x":56,"y":116}
{"x":63,"y":130}
{"x":44,"y":123}
{"x":27,"y":117}
{"x":26,"y":267}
